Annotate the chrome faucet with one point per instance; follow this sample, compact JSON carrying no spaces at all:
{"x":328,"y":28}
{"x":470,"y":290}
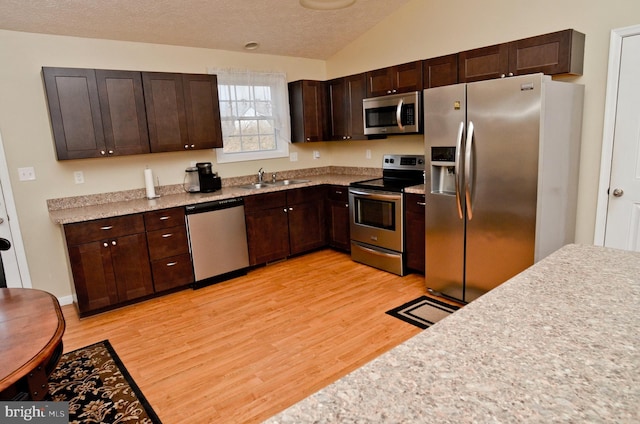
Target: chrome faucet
{"x":260,"y":175}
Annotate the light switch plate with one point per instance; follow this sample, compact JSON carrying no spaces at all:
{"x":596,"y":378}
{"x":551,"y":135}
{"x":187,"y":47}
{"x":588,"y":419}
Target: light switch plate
{"x":27,"y":173}
{"x":367,"y":154}
{"x":316,"y":154}
{"x":293,"y":157}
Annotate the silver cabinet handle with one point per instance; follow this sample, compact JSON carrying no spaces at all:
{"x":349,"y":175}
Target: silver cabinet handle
{"x":420,"y":203}
{"x":167,"y":235}
{"x":105,"y":244}
{"x":285,"y":210}
{"x":172,"y":263}
{"x":108,"y":227}
{"x":164,"y":218}
{"x":113,"y":243}
{"x":618,"y":192}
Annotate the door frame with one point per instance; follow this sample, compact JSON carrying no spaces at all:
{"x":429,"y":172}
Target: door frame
{"x":14,"y":225}
{"x":613,"y":76}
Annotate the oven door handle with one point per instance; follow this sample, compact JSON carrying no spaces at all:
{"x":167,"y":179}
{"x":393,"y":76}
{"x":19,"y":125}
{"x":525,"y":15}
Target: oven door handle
{"x":376,"y":196}
{"x":377,"y":252}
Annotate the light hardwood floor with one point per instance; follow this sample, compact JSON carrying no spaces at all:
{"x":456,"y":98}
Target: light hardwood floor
{"x":243,"y":350}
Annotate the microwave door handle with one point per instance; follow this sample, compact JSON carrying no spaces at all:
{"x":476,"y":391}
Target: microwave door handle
{"x":376,"y":196}
{"x":458,"y":170}
{"x":399,"y":114}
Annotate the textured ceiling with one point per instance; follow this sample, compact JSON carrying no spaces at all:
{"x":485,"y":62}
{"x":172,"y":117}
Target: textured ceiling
{"x":281,"y":27}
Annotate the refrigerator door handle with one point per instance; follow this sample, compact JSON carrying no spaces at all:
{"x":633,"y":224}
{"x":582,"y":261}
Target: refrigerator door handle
{"x":468,"y":172}
{"x":399,"y":114}
{"x":458,"y":169}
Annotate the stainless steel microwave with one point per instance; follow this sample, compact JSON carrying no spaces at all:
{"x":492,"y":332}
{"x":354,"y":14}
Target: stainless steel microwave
{"x":393,"y":114}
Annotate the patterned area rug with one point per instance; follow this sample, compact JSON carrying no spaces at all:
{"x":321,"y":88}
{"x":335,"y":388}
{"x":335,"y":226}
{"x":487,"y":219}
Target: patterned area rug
{"x":99,"y":388}
{"x":423,"y":312}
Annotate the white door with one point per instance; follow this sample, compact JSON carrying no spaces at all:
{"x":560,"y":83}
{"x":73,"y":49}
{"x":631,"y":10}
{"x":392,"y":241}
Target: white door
{"x":621,"y":193}
{"x":13,"y":266}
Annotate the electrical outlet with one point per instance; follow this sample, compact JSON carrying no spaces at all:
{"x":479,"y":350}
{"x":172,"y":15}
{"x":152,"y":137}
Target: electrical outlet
{"x":316,"y":154}
{"x":27,"y":174}
{"x":78,"y":177}
{"x":367,"y":154}
{"x":293,"y":157}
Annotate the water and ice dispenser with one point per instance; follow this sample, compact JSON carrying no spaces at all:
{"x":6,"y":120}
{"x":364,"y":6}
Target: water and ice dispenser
{"x":443,"y":170}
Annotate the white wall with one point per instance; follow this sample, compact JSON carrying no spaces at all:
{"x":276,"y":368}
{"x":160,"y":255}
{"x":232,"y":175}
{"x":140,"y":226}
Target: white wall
{"x":431,"y":28}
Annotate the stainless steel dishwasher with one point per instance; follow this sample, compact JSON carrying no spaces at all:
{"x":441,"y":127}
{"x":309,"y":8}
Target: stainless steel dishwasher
{"x":217,"y":240}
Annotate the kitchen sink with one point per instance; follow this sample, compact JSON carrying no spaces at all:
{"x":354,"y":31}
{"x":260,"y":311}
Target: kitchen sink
{"x":287,"y":182}
{"x":267,"y":184}
{"x":254,"y":186}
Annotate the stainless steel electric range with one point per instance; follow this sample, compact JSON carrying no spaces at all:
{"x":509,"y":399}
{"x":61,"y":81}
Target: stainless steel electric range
{"x":377,"y":213}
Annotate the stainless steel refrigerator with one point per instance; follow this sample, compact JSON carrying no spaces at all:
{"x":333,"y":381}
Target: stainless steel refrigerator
{"x":501,"y":179}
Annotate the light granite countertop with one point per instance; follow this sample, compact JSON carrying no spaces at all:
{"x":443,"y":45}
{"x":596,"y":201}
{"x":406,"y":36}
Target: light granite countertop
{"x":559,"y":342}
{"x":86,"y":208}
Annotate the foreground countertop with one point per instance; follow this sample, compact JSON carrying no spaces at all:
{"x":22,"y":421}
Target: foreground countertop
{"x":559,"y":342}
{"x":79,"y":209}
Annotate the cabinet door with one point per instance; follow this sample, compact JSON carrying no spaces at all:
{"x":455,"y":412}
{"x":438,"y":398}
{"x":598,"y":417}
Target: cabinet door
{"x":415,"y":231}
{"x":408,"y":77}
{"x":440,"y":71}
{"x":338,"y":127}
{"x":74,"y":109}
{"x":267,"y":235}
{"x":202,"y":111}
{"x":380,"y":82}
{"x":338,"y":217}
{"x":124,"y":117}
{"x":356,"y":87}
{"x":307,"y":101}
{"x":306,"y":214}
{"x":166,"y":115}
{"x":307,"y":230}
{"x":559,"y":52}
{"x":93,"y":277}
{"x":483,"y":63}
{"x":131,"y":267}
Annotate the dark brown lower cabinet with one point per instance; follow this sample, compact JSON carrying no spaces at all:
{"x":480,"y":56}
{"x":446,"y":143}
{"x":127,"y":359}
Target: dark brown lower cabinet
{"x":284,"y":223}
{"x":110,"y":271}
{"x":338,"y":217}
{"x":415,"y":231}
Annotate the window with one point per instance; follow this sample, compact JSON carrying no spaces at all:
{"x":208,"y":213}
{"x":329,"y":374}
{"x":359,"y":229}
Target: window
{"x":254,"y":110}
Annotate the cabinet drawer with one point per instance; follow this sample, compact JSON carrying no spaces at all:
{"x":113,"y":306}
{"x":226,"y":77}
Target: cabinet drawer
{"x":84,"y":232}
{"x":167,"y":242}
{"x":338,"y":193}
{"x":172,"y":272}
{"x":415,"y":203}
{"x":164,"y":218}
{"x":265,"y":201}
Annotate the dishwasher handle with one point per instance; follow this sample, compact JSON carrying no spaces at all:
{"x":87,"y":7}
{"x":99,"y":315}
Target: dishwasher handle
{"x":214,"y":205}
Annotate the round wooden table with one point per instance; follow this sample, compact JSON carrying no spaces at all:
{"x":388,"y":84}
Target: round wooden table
{"x":31,"y":328}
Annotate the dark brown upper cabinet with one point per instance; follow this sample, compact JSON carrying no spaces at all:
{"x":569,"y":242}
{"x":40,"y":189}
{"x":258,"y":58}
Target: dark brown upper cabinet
{"x":96,"y":113}
{"x":182,"y":110}
{"x":395,"y":79}
{"x":124,"y":118}
{"x":308,"y":102}
{"x":345,"y":107}
{"x":439,"y":71}
{"x":560,"y":52}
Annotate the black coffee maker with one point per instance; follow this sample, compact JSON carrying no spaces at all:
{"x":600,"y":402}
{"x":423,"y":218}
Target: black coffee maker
{"x":209,"y":180}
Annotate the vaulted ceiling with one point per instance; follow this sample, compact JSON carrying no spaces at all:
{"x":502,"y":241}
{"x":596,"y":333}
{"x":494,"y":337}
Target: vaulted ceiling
{"x":280,"y":27}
